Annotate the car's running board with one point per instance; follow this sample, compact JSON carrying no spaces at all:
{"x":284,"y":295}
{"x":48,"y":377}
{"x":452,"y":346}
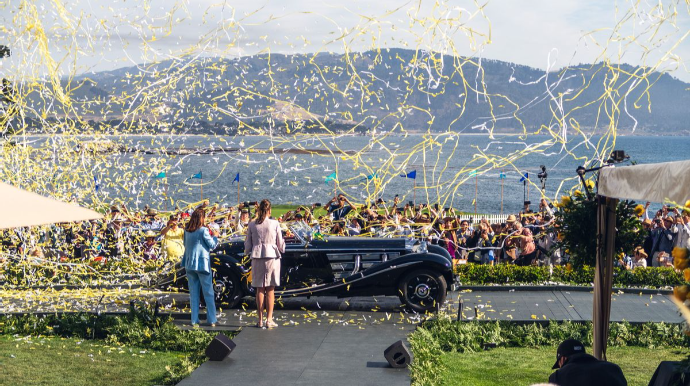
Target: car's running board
{"x":346,"y":282}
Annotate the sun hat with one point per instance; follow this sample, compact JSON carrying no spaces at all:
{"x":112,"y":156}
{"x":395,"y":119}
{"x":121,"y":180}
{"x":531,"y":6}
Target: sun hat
{"x":150,"y":234}
{"x":511,"y":218}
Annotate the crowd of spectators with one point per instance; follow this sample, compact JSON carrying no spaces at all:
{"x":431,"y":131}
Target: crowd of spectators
{"x":525,"y":238}
{"x":667,"y":229}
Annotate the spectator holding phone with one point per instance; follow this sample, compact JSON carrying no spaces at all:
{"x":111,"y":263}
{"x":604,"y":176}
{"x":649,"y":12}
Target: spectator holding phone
{"x":339,"y":206}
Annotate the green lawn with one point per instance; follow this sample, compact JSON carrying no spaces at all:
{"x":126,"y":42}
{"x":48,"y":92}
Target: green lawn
{"x":59,"y":361}
{"x":526,"y":366}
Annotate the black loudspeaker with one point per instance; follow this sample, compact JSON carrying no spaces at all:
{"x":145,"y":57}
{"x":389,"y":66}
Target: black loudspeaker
{"x":221,"y":346}
{"x":398,"y":355}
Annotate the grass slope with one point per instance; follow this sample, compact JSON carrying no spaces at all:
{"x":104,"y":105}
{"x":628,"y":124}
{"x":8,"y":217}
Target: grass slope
{"x":526,"y":366}
{"x":67,"y":361}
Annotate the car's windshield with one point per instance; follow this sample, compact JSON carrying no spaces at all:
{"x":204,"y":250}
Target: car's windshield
{"x":302,"y":231}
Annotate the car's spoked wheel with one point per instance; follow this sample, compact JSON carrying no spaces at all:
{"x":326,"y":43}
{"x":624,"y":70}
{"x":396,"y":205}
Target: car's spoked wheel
{"x":423,"y":290}
{"x":227,"y":290}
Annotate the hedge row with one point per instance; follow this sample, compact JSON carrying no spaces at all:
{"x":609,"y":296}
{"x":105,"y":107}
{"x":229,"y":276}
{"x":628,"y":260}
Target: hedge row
{"x":435,"y":337}
{"x":477,"y":274}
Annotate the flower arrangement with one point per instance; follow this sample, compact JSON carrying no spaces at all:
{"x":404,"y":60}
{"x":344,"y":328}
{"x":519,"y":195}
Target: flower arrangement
{"x":639,"y":210}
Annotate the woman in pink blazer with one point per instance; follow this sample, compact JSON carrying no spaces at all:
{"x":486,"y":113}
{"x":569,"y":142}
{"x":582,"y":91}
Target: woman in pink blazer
{"x":264,"y":244}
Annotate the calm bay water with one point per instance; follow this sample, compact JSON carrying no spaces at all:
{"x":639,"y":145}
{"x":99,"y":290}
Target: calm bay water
{"x":289,"y":178}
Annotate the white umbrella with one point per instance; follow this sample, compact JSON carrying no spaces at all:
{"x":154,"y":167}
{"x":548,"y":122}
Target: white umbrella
{"x":20,"y":208}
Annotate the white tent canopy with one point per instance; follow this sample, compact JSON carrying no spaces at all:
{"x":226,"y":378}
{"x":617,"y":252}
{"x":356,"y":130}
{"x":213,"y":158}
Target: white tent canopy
{"x":669,"y":181}
{"x":661,"y":182}
{"x":21,"y":208}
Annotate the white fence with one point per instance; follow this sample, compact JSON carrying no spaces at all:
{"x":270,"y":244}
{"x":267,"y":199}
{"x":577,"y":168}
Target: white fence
{"x":492,"y":218}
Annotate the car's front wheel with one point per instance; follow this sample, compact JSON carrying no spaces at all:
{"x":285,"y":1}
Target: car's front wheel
{"x":227,"y":289}
{"x":423,"y":290}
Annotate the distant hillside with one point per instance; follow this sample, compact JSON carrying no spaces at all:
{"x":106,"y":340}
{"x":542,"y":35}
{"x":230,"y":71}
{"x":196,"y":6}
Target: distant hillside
{"x":379,"y":90}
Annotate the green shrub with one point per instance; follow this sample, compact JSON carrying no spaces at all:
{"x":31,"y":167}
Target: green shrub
{"x":577,"y":222}
{"x":470,"y":274}
{"x":440,"y":335}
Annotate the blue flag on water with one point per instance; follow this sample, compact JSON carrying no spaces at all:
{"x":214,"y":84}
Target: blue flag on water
{"x":502,"y":176}
{"x":237,"y":178}
{"x":160,"y":175}
{"x":372,"y":176}
{"x":96,"y":185}
{"x":330,"y":177}
{"x":412,"y":174}
{"x":198,"y":176}
{"x":524,"y":177}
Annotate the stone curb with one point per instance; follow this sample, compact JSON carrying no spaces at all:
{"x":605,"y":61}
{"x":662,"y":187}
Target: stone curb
{"x":456,"y":287}
{"x":546,"y":322}
{"x":60,"y":287}
{"x":573,"y":288}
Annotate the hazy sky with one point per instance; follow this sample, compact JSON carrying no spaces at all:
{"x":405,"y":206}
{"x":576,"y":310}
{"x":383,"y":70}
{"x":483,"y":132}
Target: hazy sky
{"x":104,"y":35}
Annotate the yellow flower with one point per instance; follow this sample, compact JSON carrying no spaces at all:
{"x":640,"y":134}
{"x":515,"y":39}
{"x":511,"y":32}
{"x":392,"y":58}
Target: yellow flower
{"x":680,"y":264}
{"x":639,"y":210}
{"x":679,"y":253}
{"x":577,"y":193}
{"x":565,"y":200}
{"x":686,"y":274}
{"x":681,"y":292}
{"x":589,"y":184}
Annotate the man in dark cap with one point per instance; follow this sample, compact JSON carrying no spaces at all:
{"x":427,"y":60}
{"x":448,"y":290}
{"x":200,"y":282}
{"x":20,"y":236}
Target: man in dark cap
{"x":579,"y":368}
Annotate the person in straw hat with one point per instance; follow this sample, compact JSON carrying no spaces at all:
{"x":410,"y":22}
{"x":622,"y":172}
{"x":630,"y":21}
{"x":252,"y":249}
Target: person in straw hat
{"x":639,"y":258}
{"x":151,"y":222}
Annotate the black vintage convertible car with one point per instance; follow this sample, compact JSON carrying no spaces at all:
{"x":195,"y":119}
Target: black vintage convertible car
{"x":315,"y":265}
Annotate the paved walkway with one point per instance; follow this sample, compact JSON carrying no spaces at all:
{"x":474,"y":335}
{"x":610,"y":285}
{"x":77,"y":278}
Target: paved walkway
{"x":562,"y":305}
{"x":341,"y":341}
{"x":318,"y":354}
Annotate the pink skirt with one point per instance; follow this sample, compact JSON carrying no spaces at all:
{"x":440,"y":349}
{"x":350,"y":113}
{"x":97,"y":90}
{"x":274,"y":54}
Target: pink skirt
{"x":265,"y":272}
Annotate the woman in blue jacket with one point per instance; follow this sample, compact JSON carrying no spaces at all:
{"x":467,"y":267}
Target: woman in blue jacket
{"x":198,"y":243}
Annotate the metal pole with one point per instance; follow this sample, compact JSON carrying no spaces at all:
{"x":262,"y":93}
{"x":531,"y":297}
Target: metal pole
{"x":461,"y":305}
{"x":202,"y":189}
{"x":524,"y":190}
{"x":476,"y":190}
{"x":603,"y":274}
{"x":238,"y":194}
{"x":414,"y":190}
{"x":502,"y":193}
